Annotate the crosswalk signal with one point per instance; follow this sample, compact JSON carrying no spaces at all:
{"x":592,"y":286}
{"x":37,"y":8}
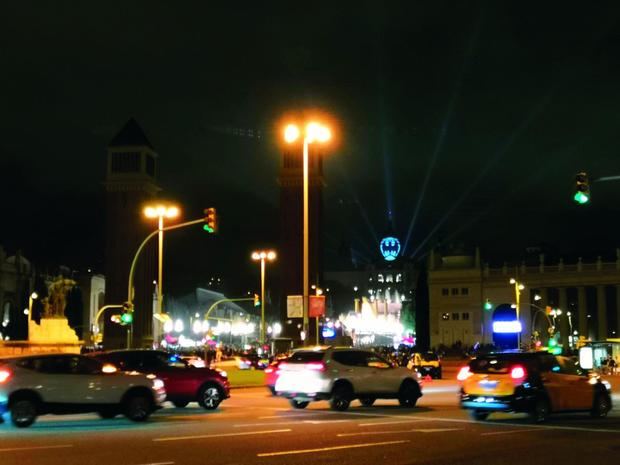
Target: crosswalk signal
{"x":582,"y":189}
{"x":210,"y":220}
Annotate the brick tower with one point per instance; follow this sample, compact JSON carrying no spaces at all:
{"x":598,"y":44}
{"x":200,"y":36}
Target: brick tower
{"x":291,"y":228}
{"x":130,"y":182}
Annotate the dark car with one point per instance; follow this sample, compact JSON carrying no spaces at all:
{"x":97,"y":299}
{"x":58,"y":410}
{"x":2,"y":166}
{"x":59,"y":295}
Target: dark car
{"x":184,"y":383}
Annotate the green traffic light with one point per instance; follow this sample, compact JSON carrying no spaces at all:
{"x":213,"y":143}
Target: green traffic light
{"x":127,"y":318}
{"x":581,"y":198}
{"x":207,"y":228}
{"x":488,"y":305}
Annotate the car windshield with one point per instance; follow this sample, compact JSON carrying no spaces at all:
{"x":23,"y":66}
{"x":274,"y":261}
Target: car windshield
{"x":306,"y":356}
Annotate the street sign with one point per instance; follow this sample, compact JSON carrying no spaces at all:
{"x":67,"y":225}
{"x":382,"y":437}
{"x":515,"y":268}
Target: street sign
{"x":295,"y":306}
{"x":317,"y":306}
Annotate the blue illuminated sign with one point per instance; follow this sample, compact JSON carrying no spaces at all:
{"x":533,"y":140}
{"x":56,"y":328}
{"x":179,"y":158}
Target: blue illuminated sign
{"x":328,"y":332}
{"x":390,"y":248}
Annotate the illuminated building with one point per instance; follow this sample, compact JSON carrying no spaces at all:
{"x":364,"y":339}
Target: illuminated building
{"x":464,"y":293}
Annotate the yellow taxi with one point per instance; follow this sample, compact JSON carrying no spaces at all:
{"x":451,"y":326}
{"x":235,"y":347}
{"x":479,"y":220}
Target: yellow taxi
{"x":427,"y":363}
{"x":536,"y":383}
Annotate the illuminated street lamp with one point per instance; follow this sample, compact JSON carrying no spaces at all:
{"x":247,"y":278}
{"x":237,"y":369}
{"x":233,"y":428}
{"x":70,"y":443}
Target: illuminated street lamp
{"x":262,"y":256}
{"x":160,"y":212}
{"x":314,"y":133}
{"x":518,"y":288}
{"x":31,"y":298}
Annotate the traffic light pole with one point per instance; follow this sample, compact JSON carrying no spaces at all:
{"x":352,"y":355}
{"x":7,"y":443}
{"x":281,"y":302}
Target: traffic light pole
{"x":217,"y":302}
{"x":132,"y":269}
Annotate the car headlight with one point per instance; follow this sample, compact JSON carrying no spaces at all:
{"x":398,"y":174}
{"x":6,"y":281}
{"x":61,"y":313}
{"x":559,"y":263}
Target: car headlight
{"x":158,"y":384}
{"x":222,"y":373}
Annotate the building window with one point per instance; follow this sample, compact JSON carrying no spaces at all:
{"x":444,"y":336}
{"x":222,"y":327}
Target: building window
{"x":445,"y":316}
{"x":464,"y":291}
{"x":380,"y":278}
{"x":455,"y":316}
{"x":126,"y":162}
{"x":150,"y":165}
{"x":399,"y":277}
{"x":445,"y":291}
{"x":455,"y":291}
{"x":465,"y":316}
{"x":389,"y":279}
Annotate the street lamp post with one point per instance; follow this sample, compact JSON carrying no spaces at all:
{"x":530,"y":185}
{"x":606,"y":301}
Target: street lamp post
{"x":160,"y":212}
{"x":518,"y":288}
{"x":263,"y":255}
{"x":314,"y":132}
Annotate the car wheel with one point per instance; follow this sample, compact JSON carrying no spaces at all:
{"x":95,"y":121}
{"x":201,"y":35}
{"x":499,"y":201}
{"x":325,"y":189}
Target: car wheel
{"x":107,"y":413}
{"x":541,"y":410}
{"x":272,"y":389}
{"x":478,"y":415}
{"x":439,"y":374}
{"x":299,"y":404}
{"x":210,"y":397}
{"x":601,"y":406}
{"x":23,"y":413}
{"x":180,"y":403}
{"x":138,"y":407}
{"x":408,"y":394}
{"x":367,"y":401}
{"x":341,"y":397}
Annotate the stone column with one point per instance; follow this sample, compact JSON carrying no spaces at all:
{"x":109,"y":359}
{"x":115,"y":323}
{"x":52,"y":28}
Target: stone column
{"x":601,"y":314}
{"x":564,"y":326}
{"x":583,"y":311}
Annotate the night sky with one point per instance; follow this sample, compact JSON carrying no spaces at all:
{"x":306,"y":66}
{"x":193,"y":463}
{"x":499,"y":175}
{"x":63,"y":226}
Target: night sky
{"x":460,"y":122}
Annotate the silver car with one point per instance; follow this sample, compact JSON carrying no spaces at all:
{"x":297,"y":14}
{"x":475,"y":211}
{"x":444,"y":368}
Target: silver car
{"x":66,"y":383}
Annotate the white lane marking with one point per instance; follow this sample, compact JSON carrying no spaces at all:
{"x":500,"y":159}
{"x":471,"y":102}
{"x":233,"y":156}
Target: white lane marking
{"x":273,"y":423}
{"x":428,"y":430}
{"x":321,"y":422}
{"x":493,"y":433}
{"x":222,"y":435}
{"x":548,"y":427}
{"x":293,"y":415}
{"x":17,"y":449}
{"x":325,"y":449}
{"x":399,"y":422}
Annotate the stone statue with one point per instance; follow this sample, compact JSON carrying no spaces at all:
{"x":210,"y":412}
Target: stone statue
{"x":57,"y":300}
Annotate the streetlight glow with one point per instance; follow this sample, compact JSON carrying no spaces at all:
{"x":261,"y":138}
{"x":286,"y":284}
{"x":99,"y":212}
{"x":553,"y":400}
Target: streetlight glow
{"x":291,"y":133}
{"x":34,"y":296}
{"x":263,"y":256}
{"x":513,"y":280}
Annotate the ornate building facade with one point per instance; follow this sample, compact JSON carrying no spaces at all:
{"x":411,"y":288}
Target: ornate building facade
{"x":464,"y":292}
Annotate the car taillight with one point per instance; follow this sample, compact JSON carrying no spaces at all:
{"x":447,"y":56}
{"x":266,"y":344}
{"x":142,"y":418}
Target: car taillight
{"x":4,"y":375}
{"x":517,"y":372}
{"x":464,"y":373}
{"x":315,"y":366}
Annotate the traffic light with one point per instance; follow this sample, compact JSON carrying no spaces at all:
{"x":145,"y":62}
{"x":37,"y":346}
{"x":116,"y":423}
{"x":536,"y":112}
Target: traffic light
{"x":582,"y":189}
{"x":256,"y":300}
{"x":210,"y":220}
{"x":488,"y":305}
{"x":127,"y":315}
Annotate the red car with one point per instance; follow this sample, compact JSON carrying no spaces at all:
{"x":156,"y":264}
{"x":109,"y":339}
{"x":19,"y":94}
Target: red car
{"x":183,"y":382}
{"x":271,"y":374}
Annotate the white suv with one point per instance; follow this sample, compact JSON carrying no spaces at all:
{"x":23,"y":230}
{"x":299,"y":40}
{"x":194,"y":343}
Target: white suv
{"x":66,"y":383}
{"x":341,"y":375}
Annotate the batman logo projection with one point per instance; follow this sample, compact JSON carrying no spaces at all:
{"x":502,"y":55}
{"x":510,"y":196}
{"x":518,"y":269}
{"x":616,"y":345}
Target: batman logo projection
{"x":390,"y":248}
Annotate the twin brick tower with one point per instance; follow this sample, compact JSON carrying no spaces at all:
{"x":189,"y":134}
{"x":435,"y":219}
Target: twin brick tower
{"x":131,"y":181}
